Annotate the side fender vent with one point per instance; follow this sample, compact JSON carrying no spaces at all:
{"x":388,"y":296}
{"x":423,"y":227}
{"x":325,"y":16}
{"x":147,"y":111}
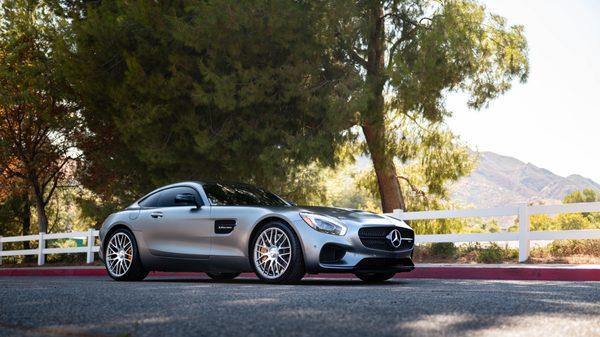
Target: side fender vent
{"x":224,"y":226}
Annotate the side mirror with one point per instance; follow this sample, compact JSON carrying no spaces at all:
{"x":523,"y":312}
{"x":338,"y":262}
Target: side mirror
{"x":186,"y":199}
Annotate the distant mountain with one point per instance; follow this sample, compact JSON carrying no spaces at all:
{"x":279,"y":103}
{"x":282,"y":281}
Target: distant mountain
{"x":501,"y":180}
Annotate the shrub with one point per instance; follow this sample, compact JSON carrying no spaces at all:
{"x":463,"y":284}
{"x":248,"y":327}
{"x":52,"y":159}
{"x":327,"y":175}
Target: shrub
{"x":495,"y":254}
{"x":446,"y":249}
{"x":574,"y":247}
{"x":573,"y":221}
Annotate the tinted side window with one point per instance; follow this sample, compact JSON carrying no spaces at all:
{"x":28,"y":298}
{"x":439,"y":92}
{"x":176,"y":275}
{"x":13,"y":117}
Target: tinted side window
{"x":240,"y":195}
{"x":150,"y":201}
{"x":167,"y":197}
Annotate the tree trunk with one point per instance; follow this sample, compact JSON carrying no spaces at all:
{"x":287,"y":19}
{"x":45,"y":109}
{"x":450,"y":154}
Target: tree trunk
{"x":26,"y":224}
{"x":373,"y":123}
{"x":387,"y":179}
{"x":40,"y":208}
{"x":26,"y":219}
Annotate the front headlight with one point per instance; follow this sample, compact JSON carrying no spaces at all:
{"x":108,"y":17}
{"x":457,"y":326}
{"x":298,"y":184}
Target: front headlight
{"x":324,"y":223}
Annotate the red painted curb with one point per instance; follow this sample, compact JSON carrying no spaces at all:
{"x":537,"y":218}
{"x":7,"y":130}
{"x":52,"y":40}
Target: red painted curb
{"x":512,"y":273}
{"x":442,"y":272}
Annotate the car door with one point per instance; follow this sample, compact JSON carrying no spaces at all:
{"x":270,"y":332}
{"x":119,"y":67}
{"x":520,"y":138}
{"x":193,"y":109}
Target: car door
{"x":176,"y":227}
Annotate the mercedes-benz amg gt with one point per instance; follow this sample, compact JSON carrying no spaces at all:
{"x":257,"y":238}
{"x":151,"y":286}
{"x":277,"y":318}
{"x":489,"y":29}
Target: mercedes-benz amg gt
{"x":225,"y":229}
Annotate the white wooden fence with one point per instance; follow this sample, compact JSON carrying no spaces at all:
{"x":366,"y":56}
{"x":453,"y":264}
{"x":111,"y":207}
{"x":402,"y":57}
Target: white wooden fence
{"x":41,"y":250}
{"x":524,"y":235}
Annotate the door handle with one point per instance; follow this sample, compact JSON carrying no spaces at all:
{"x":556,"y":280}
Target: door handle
{"x":156,"y":215}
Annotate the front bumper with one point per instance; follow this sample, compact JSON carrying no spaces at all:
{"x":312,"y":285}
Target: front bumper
{"x":325,"y":253}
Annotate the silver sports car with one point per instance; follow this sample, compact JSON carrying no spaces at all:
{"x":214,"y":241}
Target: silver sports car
{"x":225,"y":229}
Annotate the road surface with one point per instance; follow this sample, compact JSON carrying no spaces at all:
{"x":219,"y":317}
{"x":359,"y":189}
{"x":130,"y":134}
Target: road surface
{"x":98,"y":306}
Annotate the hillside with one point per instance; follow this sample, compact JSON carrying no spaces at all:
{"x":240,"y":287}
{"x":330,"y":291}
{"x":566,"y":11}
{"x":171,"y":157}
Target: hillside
{"x":501,"y":180}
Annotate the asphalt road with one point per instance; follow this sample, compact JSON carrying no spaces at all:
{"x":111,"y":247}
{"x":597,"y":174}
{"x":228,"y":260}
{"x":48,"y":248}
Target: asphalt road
{"x":89,"y":306}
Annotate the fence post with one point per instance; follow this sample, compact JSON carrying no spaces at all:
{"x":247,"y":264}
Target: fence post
{"x":0,"y":250}
{"x":90,"y":246}
{"x":397,"y":212}
{"x":41,"y":246}
{"x":524,"y":228}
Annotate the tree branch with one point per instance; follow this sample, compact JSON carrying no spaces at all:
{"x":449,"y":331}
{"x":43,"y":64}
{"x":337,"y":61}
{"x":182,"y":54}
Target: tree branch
{"x":413,"y":187}
{"x":406,"y":35}
{"x":350,"y":50}
{"x":54,"y":177}
{"x":354,"y":56}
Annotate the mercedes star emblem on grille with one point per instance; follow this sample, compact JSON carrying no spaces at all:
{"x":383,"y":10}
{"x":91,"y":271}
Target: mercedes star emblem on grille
{"x":395,"y":238}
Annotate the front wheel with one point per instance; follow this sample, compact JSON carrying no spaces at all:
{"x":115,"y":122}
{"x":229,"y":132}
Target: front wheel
{"x":122,"y":258}
{"x":276,"y":254}
{"x":375,"y":277}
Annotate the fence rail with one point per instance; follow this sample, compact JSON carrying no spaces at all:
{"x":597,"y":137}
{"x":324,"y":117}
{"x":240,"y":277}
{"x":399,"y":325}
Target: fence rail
{"x":524,"y":236}
{"x":41,"y":250}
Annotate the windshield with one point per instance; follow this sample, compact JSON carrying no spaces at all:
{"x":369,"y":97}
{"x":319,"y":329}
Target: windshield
{"x":240,"y":195}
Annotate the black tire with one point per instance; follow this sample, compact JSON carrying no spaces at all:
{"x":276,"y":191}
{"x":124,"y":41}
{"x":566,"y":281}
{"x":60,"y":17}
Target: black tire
{"x":136,"y":271}
{"x":295,"y":270}
{"x":223,"y":276}
{"x":375,"y":277}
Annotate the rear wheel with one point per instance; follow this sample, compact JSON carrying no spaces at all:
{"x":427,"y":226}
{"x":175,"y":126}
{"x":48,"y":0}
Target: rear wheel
{"x":121,"y":257}
{"x":276,"y":254}
{"x":375,"y":277}
{"x":223,"y":276}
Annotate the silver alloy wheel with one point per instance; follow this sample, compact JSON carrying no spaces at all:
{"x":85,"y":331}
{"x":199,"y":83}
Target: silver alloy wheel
{"x":272,"y":253}
{"x":119,"y":254}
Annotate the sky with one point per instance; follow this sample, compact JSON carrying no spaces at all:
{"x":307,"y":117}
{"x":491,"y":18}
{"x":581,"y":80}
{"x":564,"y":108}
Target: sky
{"x":553,"y":120}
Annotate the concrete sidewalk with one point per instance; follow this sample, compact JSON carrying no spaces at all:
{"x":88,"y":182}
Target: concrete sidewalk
{"x":545,"y":272}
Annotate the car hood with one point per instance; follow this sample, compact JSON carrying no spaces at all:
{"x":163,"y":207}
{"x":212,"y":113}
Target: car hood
{"x":354,"y":216}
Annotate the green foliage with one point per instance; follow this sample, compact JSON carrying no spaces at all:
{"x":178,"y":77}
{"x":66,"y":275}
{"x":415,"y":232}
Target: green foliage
{"x":268,"y":92}
{"x":259,"y":91}
{"x":561,"y":222}
{"x":38,"y":121}
{"x":11,"y":215}
{"x":573,"y":221}
{"x":447,"y":249}
{"x":435,"y":159}
{"x":495,"y":254}
{"x":469,"y":253}
{"x":458,"y":46}
{"x":559,"y":251}
{"x":408,"y":56}
{"x":542,"y":222}
{"x":205,"y":90}
{"x":574,"y":247}
{"x":439,"y":226}
{"x":484,"y":227}
{"x":586,"y":195}
{"x":430,"y":159}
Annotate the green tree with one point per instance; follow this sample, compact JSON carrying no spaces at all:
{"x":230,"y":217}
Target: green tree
{"x":586,"y":195}
{"x":573,"y":221}
{"x":541,"y":222}
{"x":15,"y":214}
{"x":431,"y":157}
{"x":37,"y":121}
{"x":407,"y":55}
{"x":204,"y":90}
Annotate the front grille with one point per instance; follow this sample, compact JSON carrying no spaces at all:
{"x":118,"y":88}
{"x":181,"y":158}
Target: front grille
{"x":375,"y":238}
